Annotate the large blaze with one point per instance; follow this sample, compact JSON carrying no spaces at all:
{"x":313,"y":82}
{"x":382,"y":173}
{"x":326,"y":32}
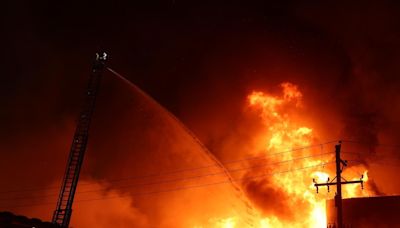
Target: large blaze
{"x":269,"y":88}
{"x":275,"y":175}
{"x":286,"y":196}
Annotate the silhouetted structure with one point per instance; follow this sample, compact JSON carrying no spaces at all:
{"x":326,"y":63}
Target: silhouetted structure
{"x":9,"y":220}
{"x":369,"y":212}
{"x":62,"y":214}
{"x":339,"y":182}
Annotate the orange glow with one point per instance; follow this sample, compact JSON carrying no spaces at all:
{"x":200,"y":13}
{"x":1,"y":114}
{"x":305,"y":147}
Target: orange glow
{"x":226,"y":223}
{"x":211,"y":206}
{"x":283,"y":132}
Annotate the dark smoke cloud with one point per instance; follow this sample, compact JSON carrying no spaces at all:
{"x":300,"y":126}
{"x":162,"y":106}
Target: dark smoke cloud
{"x":273,"y":201}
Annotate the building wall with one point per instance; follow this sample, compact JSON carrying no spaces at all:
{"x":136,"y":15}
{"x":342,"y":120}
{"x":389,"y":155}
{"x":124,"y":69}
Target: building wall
{"x":371,"y":212}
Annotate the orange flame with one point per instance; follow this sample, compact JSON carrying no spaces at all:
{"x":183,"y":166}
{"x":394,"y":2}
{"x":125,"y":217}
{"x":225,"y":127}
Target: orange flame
{"x":283,"y":132}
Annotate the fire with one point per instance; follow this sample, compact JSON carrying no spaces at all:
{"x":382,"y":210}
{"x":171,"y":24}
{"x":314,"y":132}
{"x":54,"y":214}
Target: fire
{"x":230,"y":222}
{"x":269,"y":223}
{"x":283,"y":132}
{"x":227,"y":223}
{"x":355,"y":190}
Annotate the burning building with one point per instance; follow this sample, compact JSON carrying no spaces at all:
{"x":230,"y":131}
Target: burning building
{"x":366,"y":212}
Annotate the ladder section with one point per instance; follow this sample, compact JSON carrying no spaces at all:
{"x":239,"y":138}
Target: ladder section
{"x":63,"y":212}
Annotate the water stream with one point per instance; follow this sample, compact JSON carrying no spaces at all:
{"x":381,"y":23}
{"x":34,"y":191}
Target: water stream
{"x":229,"y":194}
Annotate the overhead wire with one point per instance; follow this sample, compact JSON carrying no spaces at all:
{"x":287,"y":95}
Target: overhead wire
{"x":180,"y":179}
{"x":218,"y":164}
{"x":180,"y":188}
{"x":179,"y":170}
{"x":380,"y":153}
{"x":370,"y":144}
{"x":376,"y":163}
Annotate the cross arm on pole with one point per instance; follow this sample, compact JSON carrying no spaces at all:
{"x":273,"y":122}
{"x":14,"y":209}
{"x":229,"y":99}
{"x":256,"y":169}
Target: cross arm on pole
{"x":317,"y":185}
{"x":342,"y":182}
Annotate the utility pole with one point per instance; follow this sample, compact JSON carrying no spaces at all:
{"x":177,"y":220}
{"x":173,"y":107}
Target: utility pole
{"x":338,"y":183}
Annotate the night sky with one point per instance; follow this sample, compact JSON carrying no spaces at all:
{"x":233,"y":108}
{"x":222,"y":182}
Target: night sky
{"x":184,"y":53}
{"x":199,"y":59}
{"x":169,"y":47}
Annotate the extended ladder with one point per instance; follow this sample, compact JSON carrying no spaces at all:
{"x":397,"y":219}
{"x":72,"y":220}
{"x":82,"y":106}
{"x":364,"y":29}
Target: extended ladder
{"x":62,"y":214}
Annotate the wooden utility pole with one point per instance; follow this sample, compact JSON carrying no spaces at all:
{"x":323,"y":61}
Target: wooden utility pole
{"x":338,"y":183}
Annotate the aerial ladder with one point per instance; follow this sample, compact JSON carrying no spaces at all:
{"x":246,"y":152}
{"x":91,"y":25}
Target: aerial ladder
{"x":62,"y":214}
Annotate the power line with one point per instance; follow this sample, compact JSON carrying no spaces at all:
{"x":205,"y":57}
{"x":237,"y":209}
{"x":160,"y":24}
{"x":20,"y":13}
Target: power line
{"x":393,"y":155}
{"x":340,"y":164}
{"x":182,"y":170}
{"x":376,"y":163}
{"x":373,"y":158}
{"x":371,"y":144}
{"x":179,"y":179}
{"x":385,"y":164}
{"x":218,"y":173}
{"x":181,"y":188}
